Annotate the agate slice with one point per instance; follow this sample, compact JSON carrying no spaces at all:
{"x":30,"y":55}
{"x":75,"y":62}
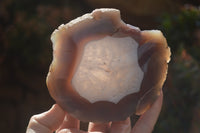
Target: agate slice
{"x":105,"y":70}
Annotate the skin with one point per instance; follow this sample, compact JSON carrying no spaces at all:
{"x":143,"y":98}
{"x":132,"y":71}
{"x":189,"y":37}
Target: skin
{"x":58,"y":121}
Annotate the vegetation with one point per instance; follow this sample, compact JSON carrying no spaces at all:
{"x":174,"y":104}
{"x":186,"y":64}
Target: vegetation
{"x":182,"y":88}
{"x":25,"y":55}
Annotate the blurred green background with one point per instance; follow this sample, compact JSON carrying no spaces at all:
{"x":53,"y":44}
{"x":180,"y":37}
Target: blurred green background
{"x":26,"y":53}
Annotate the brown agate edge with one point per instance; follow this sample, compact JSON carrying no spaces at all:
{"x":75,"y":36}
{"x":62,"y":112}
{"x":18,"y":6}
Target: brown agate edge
{"x":68,"y":44}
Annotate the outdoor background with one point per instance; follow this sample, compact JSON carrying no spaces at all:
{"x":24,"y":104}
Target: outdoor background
{"x":26,"y":53}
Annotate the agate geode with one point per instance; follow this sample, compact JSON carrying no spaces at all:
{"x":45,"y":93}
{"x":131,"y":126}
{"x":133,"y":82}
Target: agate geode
{"x":105,"y":70}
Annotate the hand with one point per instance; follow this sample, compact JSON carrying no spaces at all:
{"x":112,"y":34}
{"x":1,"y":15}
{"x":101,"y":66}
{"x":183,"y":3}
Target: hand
{"x":59,"y":121}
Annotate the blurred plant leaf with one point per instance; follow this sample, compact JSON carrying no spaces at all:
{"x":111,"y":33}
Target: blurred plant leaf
{"x":181,"y":30}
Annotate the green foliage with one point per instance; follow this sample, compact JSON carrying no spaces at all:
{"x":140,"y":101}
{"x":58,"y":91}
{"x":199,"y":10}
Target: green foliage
{"x":181,"y":96}
{"x":26,"y":27}
{"x":25,"y":55}
{"x":25,"y":30}
{"x":182,"y":87}
{"x":182,"y":31}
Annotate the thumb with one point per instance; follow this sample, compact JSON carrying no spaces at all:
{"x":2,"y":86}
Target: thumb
{"x":46,"y":122}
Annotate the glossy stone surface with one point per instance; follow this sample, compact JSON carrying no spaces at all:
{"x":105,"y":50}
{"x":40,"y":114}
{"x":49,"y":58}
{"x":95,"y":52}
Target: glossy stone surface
{"x":105,"y":70}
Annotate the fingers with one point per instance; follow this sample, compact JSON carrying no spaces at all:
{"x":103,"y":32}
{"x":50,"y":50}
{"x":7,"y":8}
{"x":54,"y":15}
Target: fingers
{"x":46,"y":122}
{"x":56,"y":118}
{"x":146,"y":122}
{"x":98,"y":127}
{"x":71,"y":131}
{"x":115,"y":127}
{"x":69,"y":122}
{"x":121,"y":126}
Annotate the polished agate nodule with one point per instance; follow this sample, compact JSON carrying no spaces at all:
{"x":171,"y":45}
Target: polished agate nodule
{"x":105,"y":70}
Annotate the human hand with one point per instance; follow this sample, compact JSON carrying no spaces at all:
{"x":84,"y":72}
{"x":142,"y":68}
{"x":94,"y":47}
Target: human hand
{"x":59,"y":121}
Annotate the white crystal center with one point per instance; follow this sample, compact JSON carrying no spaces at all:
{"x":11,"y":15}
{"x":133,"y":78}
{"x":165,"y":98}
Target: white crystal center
{"x":108,"y":70}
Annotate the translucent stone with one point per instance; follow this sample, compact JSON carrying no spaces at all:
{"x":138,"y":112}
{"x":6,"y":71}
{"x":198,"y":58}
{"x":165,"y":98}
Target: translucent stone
{"x":108,"y":70}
